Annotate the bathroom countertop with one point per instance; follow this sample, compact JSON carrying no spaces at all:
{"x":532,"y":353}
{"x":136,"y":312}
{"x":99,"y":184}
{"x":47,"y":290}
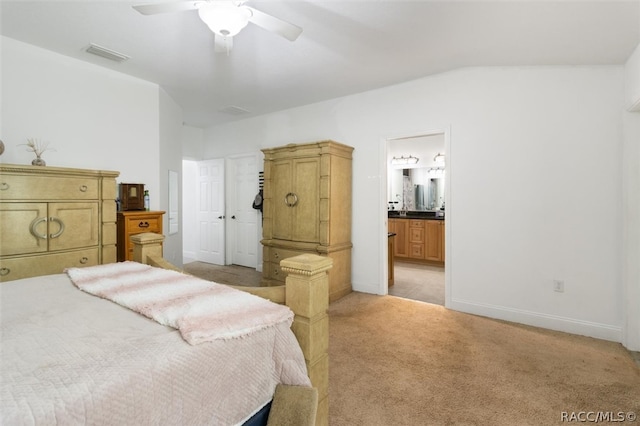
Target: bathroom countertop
{"x":430,"y":215}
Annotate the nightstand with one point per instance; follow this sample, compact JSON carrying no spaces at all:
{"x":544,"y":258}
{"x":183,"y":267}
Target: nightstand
{"x":135,"y":222}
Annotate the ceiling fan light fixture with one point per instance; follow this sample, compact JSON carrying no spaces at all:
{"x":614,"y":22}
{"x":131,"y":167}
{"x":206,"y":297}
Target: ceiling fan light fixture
{"x":224,"y":19}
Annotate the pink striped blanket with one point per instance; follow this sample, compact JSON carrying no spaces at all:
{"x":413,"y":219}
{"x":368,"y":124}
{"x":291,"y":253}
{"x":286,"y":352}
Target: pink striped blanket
{"x":201,"y":310}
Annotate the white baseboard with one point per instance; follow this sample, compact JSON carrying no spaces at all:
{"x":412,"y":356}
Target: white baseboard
{"x":536,"y":319}
{"x":188,"y":256}
{"x":363,"y":288}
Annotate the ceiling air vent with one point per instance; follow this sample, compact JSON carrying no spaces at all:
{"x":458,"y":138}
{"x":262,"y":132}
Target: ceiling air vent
{"x":233,"y":110}
{"x":107,"y":53}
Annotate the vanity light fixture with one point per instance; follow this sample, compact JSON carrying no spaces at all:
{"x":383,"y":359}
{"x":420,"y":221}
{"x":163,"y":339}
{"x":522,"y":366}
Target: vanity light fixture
{"x":405,"y":160}
{"x":439,"y":158}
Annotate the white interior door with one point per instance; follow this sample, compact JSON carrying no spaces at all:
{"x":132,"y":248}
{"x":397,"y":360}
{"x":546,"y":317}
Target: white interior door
{"x":243,"y":218}
{"x":211,"y":216}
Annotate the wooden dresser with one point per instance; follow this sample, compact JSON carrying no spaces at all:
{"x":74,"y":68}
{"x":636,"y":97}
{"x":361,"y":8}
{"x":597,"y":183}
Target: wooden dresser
{"x":135,"y":222}
{"x":52,"y":218}
{"x":307,"y":209}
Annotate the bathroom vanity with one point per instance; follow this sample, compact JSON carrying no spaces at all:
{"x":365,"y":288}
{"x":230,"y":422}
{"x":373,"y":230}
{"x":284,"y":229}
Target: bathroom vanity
{"x":419,"y":236}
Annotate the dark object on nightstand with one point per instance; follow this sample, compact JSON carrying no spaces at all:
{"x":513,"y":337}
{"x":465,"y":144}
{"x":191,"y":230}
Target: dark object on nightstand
{"x":131,"y":196}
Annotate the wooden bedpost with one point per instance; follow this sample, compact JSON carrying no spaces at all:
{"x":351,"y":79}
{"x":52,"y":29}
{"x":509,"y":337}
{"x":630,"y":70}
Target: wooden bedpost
{"x":307,"y":289}
{"x":145,"y":245}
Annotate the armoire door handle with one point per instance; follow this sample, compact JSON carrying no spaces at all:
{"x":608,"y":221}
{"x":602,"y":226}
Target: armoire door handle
{"x":291,"y":199}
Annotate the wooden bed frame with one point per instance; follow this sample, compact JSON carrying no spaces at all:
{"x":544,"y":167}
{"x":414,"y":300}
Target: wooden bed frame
{"x":306,"y":293}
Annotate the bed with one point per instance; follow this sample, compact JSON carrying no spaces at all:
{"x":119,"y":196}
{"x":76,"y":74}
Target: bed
{"x":69,"y":357}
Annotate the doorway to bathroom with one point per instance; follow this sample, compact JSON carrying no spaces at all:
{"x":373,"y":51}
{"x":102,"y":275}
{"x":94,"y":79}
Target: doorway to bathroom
{"x":416,"y":211}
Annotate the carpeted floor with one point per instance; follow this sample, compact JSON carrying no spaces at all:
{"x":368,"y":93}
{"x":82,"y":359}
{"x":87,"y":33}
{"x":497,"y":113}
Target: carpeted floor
{"x":400,"y":362}
{"x":394,"y":361}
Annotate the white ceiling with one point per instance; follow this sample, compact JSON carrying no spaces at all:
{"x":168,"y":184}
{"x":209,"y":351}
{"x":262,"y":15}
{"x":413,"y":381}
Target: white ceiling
{"x":346,"y":46}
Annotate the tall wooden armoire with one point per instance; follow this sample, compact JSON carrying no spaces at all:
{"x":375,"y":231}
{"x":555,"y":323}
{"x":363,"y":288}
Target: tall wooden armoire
{"x":307,"y":209}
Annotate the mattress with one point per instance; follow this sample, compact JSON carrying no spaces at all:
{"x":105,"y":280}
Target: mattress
{"x":71,"y":358}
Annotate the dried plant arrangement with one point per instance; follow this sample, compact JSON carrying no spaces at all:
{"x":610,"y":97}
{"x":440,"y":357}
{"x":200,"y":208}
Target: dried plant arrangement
{"x":37,"y":147}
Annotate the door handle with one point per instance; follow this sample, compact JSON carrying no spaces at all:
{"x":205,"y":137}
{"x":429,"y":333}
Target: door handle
{"x":220,"y":217}
{"x":233,"y":217}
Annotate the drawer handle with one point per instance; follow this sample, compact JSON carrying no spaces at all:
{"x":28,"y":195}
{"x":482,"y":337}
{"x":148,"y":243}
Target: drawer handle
{"x":83,"y":188}
{"x":4,"y":186}
{"x":84,"y":260}
{"x":33,"y":226}
{"x":143,"y":225}
{"x":276,"y":255}
{"x":60,"y":231}
{"x":291,"y":199}
{"x":4,"y":272}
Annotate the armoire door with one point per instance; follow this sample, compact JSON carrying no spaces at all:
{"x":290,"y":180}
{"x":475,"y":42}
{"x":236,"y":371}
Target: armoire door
{"x":296,"y":194}
{"x":281,"y":182}
{"x":306,"y":187}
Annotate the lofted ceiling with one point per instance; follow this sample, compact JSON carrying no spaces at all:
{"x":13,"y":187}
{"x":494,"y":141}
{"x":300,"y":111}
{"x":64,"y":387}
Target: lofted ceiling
{"x":346,"y":47}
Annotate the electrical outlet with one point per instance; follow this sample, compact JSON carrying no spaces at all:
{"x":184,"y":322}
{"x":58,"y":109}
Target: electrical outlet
{"x":558,"y":285}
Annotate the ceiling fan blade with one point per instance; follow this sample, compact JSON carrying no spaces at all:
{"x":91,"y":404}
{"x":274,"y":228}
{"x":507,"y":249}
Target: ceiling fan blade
{"x":155,"y":8}
{"x":275,"y":25}
{"x":222,"y":44}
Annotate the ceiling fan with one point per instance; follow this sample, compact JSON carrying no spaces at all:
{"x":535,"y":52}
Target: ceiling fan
{"x":225,"y":18}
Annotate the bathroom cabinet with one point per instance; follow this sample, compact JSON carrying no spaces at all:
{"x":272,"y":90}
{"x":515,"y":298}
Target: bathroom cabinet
{"x":418,"y":240}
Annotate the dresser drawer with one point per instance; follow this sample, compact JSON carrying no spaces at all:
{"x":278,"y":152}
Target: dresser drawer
{"x":17,"y":187}
{"x":277,"y":254}
{"x":275,"y":273}
{"x":145,"y":224}
{"x":32,"y":266}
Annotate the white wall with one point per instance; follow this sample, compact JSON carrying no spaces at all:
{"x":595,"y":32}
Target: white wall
{"x":192,"y":143}
{"x":545,"y":142}
{"x":93,"y":117}
{"x":170,"y":158}
{"x":631,"y":204}
{"x":190,"y":228}
{"x":632,"y":81}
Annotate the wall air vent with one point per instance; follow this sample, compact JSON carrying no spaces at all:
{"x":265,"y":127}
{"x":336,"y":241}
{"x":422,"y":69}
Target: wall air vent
{"x":233,"y":110}
{"x":107,"y":53}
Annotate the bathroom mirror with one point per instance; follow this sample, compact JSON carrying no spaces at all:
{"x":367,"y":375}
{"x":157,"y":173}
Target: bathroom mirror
{"x":173,"y":202}
{"x":416,"y":189}
{"x":418,"y":185}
